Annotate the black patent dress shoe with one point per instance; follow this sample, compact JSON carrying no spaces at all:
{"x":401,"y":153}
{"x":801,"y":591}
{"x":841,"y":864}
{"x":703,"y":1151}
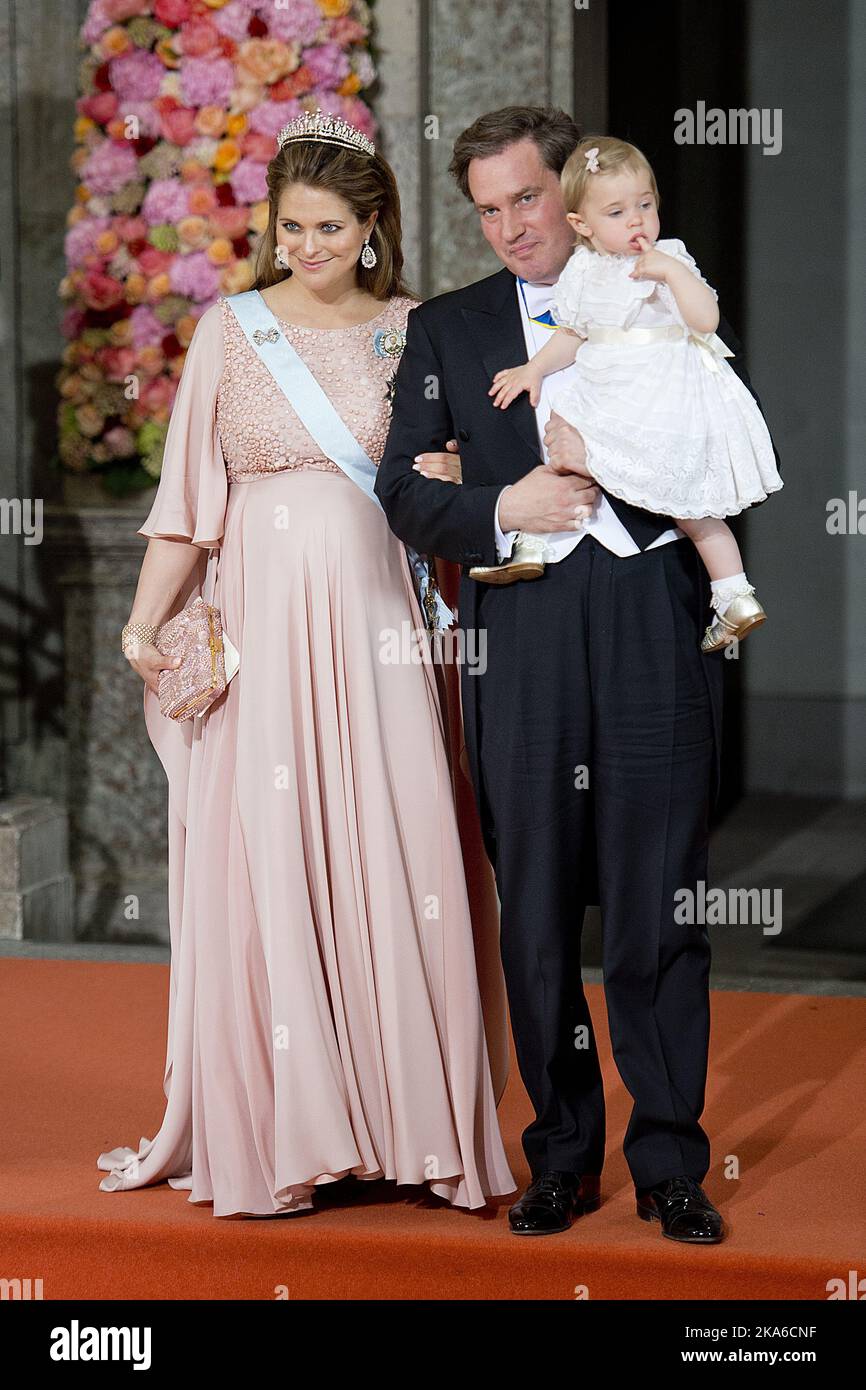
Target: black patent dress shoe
{"x":684,"y":1210}
{"x":552,"y":1201}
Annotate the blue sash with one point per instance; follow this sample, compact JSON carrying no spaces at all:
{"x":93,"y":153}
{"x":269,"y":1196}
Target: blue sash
{"x":324,"y":425}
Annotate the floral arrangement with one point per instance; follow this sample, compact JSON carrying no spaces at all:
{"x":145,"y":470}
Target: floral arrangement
{"x":180,"y":108}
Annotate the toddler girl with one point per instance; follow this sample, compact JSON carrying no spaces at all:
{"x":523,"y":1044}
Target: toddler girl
{"x":665,"y":421}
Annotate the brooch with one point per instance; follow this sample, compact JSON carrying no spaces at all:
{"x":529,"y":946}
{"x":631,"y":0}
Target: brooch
{"x":389,"y":342}
{"x":271,"y":336}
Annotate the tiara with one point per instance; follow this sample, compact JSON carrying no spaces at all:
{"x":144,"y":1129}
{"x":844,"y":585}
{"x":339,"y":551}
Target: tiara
{"x":331,"y":130}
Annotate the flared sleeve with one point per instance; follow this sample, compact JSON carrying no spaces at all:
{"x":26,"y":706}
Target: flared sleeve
{"x":190,"y":502}
{"x":566,"y":305}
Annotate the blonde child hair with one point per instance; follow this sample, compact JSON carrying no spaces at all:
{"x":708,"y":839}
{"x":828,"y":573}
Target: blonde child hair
{"x":613,"y":154}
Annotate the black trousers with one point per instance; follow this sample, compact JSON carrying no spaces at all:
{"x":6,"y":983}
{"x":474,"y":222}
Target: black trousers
{"x":596,"y":739}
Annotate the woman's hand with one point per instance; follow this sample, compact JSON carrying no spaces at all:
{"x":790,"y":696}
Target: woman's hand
{"x":148,"y":661}
{"x":446,"y":467}
{"x":509,"y":383}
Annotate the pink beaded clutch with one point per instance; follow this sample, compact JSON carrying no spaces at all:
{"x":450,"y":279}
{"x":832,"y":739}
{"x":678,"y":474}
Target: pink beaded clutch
{"x":196,"y":636}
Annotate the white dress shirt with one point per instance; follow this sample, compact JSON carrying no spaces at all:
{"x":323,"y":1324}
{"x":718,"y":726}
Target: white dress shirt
{"x":604,"y":523}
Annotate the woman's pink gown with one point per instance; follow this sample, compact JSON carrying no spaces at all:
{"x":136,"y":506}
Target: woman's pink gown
{"x":324,"y":1008}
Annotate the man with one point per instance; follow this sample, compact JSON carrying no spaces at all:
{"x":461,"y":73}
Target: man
{"x":593,"y":733}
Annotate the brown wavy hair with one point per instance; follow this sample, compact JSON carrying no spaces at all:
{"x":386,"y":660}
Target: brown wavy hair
{"x":366,"y":182}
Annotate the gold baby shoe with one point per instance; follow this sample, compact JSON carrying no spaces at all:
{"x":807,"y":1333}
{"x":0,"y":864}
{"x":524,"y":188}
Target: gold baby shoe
{"x":525,"y":562}
{"x":741,"y":615}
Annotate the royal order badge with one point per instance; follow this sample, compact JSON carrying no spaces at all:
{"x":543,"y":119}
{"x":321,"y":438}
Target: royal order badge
{"x":389,"y":342}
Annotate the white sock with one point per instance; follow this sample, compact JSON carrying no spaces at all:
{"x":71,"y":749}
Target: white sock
{"x":724,"y":591}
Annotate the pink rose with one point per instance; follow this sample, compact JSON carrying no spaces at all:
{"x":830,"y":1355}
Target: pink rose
{"x":200,"y":36}
{"x":118,"y":11}
{"x":101,"y":107}
{"x":258,"y":146}
{"x":231,"y":222}
{"x":101,"y":291}
{"x":178,"y":125}
{"x":154,"y":262}
{"x":172,"y":13}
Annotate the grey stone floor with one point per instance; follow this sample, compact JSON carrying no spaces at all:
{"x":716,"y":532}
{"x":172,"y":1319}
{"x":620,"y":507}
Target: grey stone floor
{"x":811,"y":851}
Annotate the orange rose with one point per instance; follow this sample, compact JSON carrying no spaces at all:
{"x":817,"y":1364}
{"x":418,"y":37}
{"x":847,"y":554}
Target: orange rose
{"x":158,"y":287}
{"x":236,"y":125}
{"x":350,"y":85}
{"x":211,"y":120}
{"x":333,"y":9}
{"x":202,"y":200}
{"x":258,"y":219}
{"x":236,"y":278}
{"x":267,"y":60}
{"x":114,"y":41}
{"x":227,"y":156}
{"x":106,"y":243}
{"x":184,"y":329}
{"x":220,"y":251}
{"x":136,"y":288}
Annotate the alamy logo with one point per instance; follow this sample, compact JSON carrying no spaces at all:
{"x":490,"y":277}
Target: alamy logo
{"x":730,"y":907}
{"x":77,"y":1343}
{"x":737,"y":126}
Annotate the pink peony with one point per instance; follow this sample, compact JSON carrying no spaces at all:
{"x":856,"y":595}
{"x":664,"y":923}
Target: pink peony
{"x":233,"y":21}
{"x":146,"y":115}
{"x":248,"y":181}
{"x":95,"y":25}
{"x":110,"y":166}
{"x":328,"y":64}
{"x":269,"y":117}
{"x":301,"y":22}
{"x":207,"y":81}
{"x":79,"y":244}
{"x":193,"y":276}
{"x":147,"y":331}
{"x":136,"y":76}
{"x":166,"y":200}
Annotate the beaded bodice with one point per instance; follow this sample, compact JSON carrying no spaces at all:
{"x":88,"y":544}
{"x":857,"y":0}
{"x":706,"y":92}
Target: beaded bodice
{"x":260,"y":432}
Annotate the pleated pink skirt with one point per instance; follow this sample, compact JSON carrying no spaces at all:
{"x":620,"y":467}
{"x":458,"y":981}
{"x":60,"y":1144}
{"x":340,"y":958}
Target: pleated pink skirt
{"x":324,"y":1012}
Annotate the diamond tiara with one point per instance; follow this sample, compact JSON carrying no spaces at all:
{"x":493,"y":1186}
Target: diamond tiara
{"x":330,"y":130}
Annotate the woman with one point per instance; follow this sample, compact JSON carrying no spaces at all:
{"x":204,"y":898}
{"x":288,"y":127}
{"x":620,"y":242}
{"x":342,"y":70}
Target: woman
{"x":325,"y":1017}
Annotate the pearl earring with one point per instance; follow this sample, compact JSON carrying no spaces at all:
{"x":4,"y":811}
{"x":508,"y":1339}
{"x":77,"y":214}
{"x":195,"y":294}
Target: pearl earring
{"x":368,"y":255}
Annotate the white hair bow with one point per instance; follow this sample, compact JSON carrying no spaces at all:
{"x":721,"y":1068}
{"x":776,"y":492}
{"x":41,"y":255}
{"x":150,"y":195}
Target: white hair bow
{"x":591,"y":157}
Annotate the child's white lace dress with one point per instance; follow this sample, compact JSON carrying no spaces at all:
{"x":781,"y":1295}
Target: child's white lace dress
{"x":668,"y":425}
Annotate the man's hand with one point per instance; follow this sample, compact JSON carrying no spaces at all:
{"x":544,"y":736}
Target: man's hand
{"x":446,"y":467}
{"x":566,"y":449}
{"x":545,"y":501}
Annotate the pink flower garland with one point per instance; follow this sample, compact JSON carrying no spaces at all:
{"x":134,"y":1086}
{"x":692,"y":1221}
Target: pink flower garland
{"x":180,"y":106}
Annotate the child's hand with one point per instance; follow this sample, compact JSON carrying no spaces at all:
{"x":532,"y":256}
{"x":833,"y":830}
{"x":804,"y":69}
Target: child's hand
{"x":509,"y":383}
{"x":651,"y":264}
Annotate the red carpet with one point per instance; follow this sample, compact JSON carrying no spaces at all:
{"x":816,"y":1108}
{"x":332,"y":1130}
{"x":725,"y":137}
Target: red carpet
{"x":83,"y":1054}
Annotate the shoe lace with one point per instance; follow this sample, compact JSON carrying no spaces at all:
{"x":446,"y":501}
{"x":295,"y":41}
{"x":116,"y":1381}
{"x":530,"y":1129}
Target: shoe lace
{"x":552,"y":1183}
{"x":685,"y":1188}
